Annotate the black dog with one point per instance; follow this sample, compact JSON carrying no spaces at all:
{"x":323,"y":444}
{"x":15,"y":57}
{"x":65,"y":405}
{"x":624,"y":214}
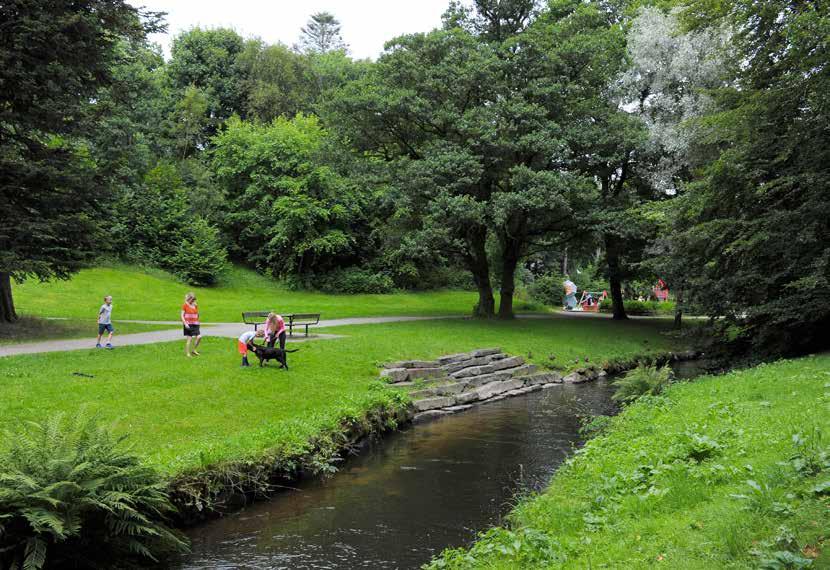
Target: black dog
{"x":265,"y":353}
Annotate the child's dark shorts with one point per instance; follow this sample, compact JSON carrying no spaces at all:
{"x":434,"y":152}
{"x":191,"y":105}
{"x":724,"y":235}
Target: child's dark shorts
{"x":102,"y":328}
{"x":192,"y":330}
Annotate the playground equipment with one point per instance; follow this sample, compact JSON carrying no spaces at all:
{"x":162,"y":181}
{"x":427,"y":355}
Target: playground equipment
{"x":590,"y":300}
{"x":661,"y":291}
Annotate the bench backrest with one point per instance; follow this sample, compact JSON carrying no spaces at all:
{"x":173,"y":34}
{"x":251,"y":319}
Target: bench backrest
{"x":254,"y":317}
{"x":259,"y":317}
{"x":304,"y":318}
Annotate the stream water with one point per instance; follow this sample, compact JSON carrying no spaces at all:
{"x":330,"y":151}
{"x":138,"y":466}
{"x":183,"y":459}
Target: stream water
{"x":409,"y":496}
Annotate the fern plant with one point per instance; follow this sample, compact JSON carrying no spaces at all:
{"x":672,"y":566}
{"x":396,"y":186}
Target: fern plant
{"x":71,"y":496}
{"x":645,"y":379}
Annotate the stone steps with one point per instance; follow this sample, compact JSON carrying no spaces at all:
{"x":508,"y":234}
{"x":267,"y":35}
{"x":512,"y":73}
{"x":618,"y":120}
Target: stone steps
{"x":456,"y":382}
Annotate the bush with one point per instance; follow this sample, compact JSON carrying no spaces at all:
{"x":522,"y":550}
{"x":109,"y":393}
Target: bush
{"x":645,"y":379}
{"x":70,"y":497}
{"x":348,"y":280}
{"x":547,"y":289}
{"x":634,"y":307}
{"x":200,"y":257}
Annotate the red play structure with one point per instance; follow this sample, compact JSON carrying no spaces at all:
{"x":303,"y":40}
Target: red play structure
{"x":590,"y":300}
{"x":661,"y":291}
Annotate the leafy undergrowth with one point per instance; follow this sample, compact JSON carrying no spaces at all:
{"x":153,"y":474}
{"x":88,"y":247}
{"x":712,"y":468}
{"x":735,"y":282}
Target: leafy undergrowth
{"x":730,"y":471}
{"x":156,"y":295}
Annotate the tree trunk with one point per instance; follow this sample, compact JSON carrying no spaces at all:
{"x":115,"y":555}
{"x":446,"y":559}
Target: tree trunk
{"x":480,"y":268}
{"x":510,"y":260}
{"x":7,"y":312}
{"x":678,"y":310}
{"x":614,"y":278}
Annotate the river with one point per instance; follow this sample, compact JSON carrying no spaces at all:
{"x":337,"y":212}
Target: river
{"x":412,"y":494}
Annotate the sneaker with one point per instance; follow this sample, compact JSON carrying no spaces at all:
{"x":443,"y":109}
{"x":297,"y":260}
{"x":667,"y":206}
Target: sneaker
{"x":109,"y":346}
{"x":98,"y":345}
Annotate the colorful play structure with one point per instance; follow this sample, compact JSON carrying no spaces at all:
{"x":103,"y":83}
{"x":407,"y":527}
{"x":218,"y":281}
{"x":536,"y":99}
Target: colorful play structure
{"x":590,"y":300}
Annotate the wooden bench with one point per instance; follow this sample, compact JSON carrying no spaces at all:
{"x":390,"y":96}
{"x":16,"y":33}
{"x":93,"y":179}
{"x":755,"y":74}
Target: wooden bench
{"x":306,"y":320}
{"x":301,"y":320}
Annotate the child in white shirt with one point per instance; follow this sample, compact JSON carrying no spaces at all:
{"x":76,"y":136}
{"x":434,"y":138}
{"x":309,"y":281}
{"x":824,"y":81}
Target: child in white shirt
{"x":243,"y":341}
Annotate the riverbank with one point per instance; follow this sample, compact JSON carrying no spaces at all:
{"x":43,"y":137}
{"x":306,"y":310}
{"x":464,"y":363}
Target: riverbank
{"x":197,"y":420}
{"x":726,"y":471}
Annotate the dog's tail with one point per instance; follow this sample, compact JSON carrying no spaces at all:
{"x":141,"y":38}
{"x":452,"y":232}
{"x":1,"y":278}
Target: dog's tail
{"x":295,"y":350}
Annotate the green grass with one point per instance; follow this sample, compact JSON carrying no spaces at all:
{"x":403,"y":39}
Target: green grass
{"x":31,"y":329}
{"x":184,"y":413}
{"x":154,"y":295}
{"x":723,"y":472}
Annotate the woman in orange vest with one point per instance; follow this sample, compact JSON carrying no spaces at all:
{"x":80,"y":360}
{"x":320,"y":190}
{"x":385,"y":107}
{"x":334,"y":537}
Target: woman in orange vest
{"x":190,"y":320}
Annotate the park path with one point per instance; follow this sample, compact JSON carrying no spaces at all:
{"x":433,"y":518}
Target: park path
{"x":230,"y":330}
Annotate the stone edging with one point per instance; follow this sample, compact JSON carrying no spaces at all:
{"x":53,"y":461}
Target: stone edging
{"x":459,"y":381}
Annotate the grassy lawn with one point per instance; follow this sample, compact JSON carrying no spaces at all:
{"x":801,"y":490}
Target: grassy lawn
{"x":155,"y":295}
{"x":186,"y":413}
{"x":725,"y":472}
{"x":31,"y":329}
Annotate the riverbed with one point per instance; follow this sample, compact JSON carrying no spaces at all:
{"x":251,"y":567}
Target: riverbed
{"x":407,"y":497}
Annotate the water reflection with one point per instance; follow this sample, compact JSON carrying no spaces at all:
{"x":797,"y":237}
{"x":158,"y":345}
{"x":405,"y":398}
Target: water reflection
{"x":410,"y":496}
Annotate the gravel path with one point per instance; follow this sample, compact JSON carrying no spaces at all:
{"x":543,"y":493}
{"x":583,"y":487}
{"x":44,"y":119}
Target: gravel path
{"x":228,"y":330}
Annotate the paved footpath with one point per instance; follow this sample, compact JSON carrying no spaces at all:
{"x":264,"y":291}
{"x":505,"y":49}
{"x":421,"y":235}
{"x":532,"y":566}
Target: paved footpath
{"x":231,"y":330}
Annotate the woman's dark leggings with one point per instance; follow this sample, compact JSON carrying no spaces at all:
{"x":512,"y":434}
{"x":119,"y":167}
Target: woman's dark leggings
{"x":272,"y":341}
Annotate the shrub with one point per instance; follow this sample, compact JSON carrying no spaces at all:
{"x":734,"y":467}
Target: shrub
{"x":71,"y":497}
{"x":547,"y":289}
{"x":634,"y":307}
{"x":352,"y":280}
{"x":200,"y":257}
{"x":645,"y":379}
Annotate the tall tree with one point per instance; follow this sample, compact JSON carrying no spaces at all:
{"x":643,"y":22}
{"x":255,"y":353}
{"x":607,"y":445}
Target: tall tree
{"x":207,"y":59}
{"x":321,"y":34}
{"x":54,"y":57}
{"x":754,"y":225}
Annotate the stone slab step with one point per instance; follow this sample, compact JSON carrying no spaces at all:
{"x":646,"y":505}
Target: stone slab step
{"x":430,"y":415}
{"x":541,"y":378}
{"x":395,"y":375}
{"x":433,"y":403}
{"x":486,"y":352}
{"x":496,"y":388}
{"x":473,"y":371}
{"x":505,"y":363}
{"x":412,"y":364}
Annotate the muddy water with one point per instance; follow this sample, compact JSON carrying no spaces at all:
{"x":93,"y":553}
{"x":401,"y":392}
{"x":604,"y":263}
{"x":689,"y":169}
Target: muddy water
{"x":411,"y":495}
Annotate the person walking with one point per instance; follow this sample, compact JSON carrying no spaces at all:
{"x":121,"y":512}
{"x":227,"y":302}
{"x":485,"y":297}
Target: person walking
{"x":105,"y":322}
{"x":275,"y":330}
{"x":190,"y":320}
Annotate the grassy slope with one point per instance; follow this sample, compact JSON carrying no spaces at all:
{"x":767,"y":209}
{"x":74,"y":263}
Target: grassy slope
{"x":184,"y":413}
{"x":29,"y":329}
{"x":155,"y":295}
{"x":635,"y":499}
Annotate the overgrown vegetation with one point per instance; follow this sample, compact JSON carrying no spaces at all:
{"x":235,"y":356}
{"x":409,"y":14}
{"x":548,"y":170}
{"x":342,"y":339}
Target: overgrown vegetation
{"x":72,"y":496}
{"x":644,"y":380}
{"x":726,"y":471}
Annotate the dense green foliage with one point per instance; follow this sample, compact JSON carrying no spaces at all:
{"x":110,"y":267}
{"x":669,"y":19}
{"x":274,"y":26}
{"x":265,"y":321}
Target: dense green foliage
{"x":724,"y":472}
{"x":54,"y":57}
{"x":518,"y":142}
{"x":71,"y":496}
{"x":753,"y":227}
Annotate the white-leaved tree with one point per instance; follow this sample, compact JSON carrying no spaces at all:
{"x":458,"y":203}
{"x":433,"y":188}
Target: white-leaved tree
{"x":666,"y":85}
